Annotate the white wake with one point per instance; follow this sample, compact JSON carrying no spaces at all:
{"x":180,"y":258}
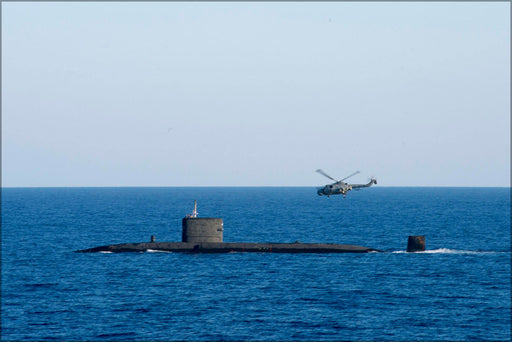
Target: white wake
{"x":448,"y":251}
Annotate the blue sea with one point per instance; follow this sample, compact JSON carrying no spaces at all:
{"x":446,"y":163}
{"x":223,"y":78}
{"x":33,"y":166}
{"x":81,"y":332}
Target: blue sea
{"x":459,"y":289}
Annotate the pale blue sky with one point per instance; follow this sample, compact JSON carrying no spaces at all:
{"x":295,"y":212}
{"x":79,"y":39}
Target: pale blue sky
{"x":255,"y":94}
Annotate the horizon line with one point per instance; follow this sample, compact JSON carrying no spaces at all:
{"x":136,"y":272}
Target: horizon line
{"x":239,"y":186}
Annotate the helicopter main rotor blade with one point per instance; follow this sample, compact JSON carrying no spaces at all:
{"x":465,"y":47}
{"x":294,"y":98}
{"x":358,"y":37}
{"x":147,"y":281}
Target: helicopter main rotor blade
{"x":355,"y":173}
{"x":320,"y":171}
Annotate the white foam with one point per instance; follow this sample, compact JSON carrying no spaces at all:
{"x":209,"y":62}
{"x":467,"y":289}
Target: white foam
{"x":105,"y":252}
{"x":446,"y":251}
{"x":156,"y":251}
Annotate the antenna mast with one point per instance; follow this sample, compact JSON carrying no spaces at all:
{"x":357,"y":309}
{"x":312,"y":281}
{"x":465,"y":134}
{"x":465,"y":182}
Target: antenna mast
{"x":194,"y":213}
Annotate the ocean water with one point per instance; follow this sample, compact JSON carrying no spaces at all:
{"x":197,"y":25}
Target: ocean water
{"x":459,"y":289}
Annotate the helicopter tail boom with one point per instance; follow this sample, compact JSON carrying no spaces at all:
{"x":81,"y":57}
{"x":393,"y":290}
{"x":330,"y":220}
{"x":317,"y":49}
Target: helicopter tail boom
{"x":359,"y":186}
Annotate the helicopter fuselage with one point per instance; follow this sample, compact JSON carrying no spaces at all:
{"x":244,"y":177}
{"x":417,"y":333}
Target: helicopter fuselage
{"x":338,"y":188}
{"x":341,"y":188}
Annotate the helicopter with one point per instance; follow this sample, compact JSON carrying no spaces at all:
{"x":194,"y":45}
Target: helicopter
{"x":340,"y":187}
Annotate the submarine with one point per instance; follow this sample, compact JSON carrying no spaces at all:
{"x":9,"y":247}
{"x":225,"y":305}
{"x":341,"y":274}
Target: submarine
{"x":205,"y":235}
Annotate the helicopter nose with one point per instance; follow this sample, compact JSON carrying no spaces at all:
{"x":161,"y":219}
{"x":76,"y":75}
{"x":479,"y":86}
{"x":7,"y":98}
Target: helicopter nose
{"x":320,"y":191}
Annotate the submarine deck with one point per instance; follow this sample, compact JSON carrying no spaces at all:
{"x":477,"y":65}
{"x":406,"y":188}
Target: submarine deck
{"x":227,"y":247}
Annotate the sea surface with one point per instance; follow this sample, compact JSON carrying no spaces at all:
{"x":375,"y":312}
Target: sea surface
{"x":459,"y":289}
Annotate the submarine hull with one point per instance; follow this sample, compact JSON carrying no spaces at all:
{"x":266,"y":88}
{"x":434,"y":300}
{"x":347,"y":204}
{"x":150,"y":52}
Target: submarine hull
{"x":227,"y":247}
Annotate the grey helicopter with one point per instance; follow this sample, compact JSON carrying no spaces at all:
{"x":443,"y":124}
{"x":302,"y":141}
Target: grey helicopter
{"x":340,"y":187}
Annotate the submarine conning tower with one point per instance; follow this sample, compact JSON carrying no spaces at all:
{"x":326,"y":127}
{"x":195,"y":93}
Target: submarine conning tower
{"x":204,"y":229}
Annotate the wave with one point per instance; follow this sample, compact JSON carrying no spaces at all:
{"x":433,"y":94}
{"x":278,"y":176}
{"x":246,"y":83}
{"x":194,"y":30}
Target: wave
{"x":451,"y":251}
{"x":156,"y":251}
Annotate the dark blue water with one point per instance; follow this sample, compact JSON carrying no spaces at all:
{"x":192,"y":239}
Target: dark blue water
{"x":458,"y":290}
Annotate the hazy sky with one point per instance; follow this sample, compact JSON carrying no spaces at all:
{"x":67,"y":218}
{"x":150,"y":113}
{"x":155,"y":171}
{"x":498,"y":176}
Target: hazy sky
{"x":255,"y":94}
